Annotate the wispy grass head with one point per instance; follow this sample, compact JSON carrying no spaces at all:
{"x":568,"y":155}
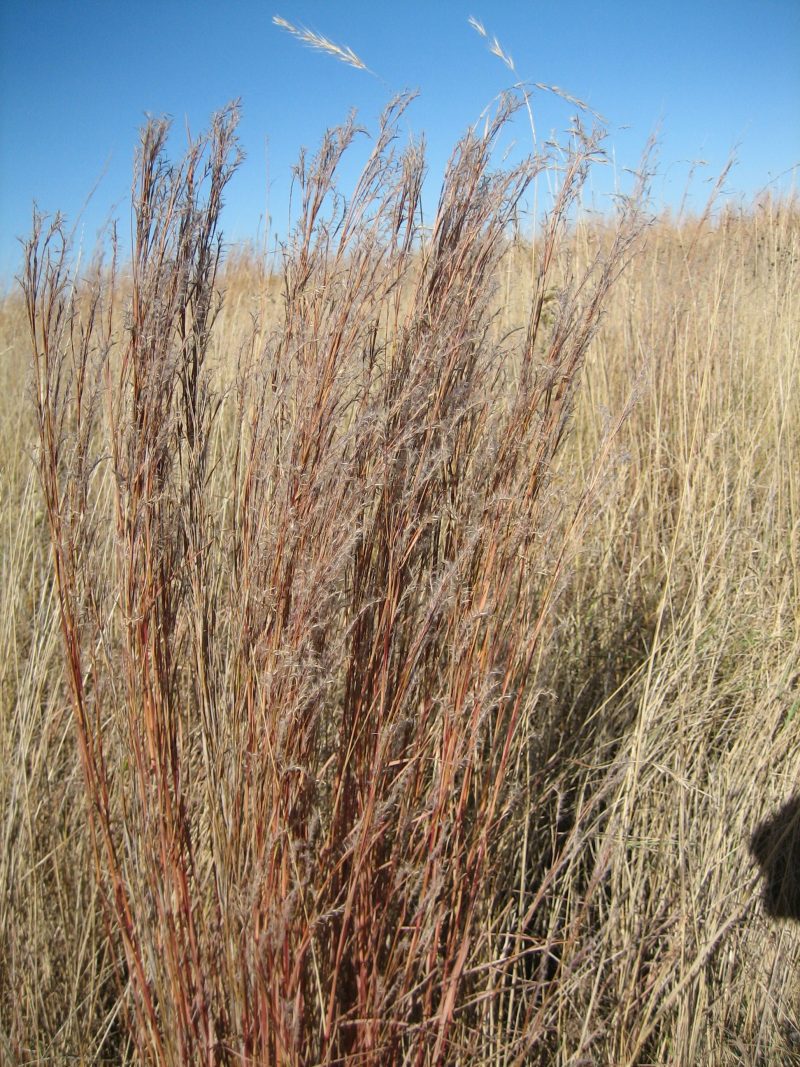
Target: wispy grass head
{"x":494,"y":44}
{"x":526,"y":87}
{"x":322,"y":44}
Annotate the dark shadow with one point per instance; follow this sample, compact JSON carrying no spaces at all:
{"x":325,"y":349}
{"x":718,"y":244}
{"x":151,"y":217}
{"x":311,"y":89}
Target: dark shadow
{"x":776,"y":846}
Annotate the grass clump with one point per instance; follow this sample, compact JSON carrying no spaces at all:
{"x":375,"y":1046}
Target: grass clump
{"x":397,"y":724}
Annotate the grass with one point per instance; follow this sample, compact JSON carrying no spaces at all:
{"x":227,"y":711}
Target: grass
{"x":404,"y":671}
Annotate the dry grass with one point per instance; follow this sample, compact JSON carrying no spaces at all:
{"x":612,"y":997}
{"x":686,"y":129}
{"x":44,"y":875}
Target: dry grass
{"x":354,"y":710}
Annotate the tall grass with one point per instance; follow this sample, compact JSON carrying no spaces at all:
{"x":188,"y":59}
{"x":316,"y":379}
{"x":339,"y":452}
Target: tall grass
{"x":397,"y":723}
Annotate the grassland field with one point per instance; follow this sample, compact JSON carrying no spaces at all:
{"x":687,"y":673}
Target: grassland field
{"x":401,"y":641}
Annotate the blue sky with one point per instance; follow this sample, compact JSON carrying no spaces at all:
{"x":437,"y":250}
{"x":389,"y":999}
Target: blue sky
{"x":78,"y":76}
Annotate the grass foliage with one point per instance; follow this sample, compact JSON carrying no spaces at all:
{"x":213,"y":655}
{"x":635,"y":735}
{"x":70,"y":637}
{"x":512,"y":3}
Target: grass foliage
{"x":401,"y":649}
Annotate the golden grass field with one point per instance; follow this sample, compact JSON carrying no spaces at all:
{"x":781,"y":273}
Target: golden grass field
{"x":401,"y":656}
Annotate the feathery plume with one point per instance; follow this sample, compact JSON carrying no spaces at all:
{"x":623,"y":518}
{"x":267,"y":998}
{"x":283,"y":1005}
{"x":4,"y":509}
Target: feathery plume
{"x":322,"y":44}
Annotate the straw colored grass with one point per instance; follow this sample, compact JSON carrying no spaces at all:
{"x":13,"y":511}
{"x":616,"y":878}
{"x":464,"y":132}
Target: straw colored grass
{"x":401,"y":653}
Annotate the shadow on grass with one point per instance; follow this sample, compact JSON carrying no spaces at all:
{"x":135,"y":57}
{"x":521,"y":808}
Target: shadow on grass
{"x":776,"y":846}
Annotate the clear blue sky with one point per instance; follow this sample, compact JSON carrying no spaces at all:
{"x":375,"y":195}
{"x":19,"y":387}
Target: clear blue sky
{"x":77,"y":76}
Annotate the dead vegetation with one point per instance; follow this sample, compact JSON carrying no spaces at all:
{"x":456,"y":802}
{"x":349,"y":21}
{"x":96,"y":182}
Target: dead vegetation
{"x":403,"y":676}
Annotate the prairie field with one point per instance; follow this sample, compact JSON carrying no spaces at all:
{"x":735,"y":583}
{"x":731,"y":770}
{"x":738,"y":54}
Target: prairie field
{"x":401,"y":636}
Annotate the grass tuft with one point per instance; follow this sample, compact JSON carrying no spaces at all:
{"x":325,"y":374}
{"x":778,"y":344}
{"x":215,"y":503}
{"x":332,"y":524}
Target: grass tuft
{"x":401,"y":650}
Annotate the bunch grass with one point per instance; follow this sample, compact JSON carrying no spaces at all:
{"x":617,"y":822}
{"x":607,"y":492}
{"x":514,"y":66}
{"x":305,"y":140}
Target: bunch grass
{"x":402,"y":672}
